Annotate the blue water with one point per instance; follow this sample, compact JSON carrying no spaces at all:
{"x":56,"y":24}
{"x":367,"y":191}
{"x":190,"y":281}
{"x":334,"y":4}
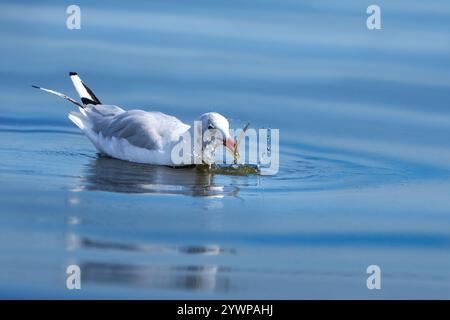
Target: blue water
{"x":364,"y":151}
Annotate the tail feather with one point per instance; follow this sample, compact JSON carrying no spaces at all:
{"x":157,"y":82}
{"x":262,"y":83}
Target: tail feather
{"x":77,"y":119}
{"x":61,"y":95}
{"x":85,"y":93}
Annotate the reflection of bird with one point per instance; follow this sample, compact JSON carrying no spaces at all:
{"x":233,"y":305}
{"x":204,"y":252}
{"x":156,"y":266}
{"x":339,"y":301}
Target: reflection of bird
{"x":136,"y":135}
{"x":207,"y":278}
{"x":108,"y":174}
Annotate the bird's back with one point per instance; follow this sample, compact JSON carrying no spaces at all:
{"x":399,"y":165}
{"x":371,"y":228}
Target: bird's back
{"x":153,"y":131}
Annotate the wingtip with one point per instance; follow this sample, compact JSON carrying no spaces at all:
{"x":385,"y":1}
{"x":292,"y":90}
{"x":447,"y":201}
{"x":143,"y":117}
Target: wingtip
{"x":73,"y":73}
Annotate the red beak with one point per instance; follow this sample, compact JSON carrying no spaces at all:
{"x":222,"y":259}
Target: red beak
{"x":229,"y":143}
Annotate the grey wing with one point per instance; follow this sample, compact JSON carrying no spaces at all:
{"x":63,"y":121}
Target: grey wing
{"x":149,"y":130}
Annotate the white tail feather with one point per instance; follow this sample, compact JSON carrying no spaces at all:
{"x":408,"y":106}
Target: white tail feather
{"x":86,"y":94}
{"x":76,"y":118}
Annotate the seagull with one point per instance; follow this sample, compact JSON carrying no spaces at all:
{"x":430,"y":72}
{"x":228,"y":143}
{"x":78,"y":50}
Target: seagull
{"x":137,"y":135}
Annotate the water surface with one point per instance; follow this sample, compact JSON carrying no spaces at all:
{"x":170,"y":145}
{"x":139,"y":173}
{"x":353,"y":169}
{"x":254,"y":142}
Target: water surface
{"x":364,"y":155}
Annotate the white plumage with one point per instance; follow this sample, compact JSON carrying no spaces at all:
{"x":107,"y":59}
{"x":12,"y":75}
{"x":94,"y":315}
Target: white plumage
{"x":134,"y":135}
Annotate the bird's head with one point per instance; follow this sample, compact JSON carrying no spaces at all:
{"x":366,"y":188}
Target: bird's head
{"x":218,"y":126}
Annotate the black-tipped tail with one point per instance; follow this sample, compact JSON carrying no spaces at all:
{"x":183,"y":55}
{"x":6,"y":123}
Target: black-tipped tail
{"x":85,"y":93}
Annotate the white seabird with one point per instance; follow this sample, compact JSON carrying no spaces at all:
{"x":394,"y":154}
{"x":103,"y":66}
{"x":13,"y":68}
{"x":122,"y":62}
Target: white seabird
{"x":135,"y":135}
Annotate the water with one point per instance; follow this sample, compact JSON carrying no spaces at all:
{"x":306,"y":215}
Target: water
{"x":364,"y":156}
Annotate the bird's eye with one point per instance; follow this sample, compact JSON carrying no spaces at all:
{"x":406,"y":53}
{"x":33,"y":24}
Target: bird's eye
{"x":210,"y":126}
